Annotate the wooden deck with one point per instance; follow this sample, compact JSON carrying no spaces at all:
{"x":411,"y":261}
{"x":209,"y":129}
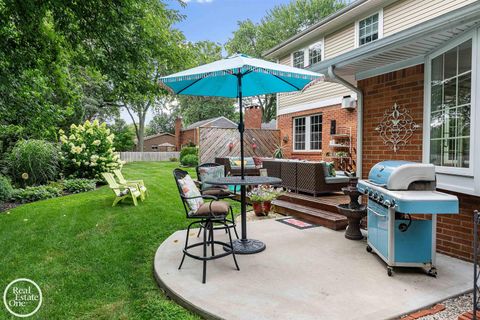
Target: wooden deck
{"x":320,"y":210}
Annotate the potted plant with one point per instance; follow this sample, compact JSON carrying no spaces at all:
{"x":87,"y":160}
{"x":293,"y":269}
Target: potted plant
{"x":257,"y":196}
{"x":262,"y":197}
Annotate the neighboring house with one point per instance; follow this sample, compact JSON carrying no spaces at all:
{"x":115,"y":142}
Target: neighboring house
{"x":422,"y":56}
{"x":190,"y":134}
{"x":159,"y":142}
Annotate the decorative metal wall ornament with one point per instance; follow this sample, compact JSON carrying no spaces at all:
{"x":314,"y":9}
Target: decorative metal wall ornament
{"x":397,"y":127}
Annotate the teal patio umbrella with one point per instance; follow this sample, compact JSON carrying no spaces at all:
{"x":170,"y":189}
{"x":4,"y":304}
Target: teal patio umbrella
{"x":239,"y":76}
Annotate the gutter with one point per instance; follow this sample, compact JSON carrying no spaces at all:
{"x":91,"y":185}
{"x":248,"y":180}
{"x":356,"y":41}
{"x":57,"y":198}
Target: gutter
{"x":335,"y":78}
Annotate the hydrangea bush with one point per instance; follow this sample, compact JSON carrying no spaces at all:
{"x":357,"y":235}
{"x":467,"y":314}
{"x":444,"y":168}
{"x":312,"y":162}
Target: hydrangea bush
{"x":88,"y":150}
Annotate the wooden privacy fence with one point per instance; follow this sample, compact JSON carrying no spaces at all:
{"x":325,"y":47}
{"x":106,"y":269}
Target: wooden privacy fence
{"x":148,"y":156}
{"x":214,"y":142}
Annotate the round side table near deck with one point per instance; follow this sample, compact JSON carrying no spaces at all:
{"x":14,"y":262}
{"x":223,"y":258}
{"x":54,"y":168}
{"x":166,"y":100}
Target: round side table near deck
{"x":245,"y":245}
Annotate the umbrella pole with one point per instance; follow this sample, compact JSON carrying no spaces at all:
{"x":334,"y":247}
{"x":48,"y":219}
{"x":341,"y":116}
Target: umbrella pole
{"x":241,"y":129}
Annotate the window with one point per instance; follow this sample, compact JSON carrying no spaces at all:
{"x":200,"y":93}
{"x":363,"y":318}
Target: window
{"x":315,"y":53}
{"x":307,"y":133}
{"x":299,"y":59}
{"x":450,"y":107}
{"x":369,"y":29}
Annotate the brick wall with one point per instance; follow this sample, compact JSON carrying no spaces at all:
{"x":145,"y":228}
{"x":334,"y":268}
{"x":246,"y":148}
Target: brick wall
{"x":189,"y":136}
{"x":405,"y":87}
{"x":343,"y":117}
{"x":253,"y":117}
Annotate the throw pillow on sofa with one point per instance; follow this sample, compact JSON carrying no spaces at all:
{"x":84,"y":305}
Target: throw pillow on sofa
{"x":189,"y":189}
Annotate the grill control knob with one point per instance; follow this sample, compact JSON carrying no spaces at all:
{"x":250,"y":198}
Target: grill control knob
{"x":370,"y":194}
{"x":380,"y":198}
{"x":392,"y":203}
{"x":375,"y":196}
{"x":365,"y":191}
{"x":387,"y":203}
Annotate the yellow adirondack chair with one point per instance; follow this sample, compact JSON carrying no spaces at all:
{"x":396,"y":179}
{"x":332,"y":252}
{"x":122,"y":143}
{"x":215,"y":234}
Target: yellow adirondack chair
{"x":121,"y":191}
{"x":139,"y":184}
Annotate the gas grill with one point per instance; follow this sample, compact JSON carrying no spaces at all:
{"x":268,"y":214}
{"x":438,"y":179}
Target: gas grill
{"x":397,"y":190}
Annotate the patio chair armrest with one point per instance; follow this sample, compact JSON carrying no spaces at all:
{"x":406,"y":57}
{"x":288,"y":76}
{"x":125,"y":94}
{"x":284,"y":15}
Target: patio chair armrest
{"x":206,"y":196}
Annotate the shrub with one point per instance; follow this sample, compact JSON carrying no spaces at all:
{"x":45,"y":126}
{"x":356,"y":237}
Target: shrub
{"x":79,"y":185}
{"x":173,"y":159}
{"x":30,"y":194}
{"x":33,"y":162}
{"x":6,"y":189}
{"x":188,"y":150}
{"x":88,"y":150}
{"x":190,"y":160}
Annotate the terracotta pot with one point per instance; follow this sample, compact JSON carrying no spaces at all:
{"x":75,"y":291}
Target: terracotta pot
{"x":267,"y":207}
{"x":257,"y":208}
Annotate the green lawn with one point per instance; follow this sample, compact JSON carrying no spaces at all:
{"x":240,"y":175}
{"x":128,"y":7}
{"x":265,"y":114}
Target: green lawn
{"x":93,"y":261}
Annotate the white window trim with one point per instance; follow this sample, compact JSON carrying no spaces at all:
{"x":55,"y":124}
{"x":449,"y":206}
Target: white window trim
{"x":474,"y":151}
{"x":306,"y":53}
{"x":380,"y":27}
{"x":307,"y":133}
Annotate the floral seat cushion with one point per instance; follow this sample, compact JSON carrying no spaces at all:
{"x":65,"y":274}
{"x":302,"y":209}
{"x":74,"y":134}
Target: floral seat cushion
{"x":190,"y":190}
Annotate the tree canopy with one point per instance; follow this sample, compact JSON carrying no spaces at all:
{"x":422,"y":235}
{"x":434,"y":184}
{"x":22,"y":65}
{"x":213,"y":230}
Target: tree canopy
{"x":279,"y":24}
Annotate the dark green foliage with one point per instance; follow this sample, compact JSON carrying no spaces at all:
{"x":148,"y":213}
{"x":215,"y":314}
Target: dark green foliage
{"x":34,"y":162}
{"x":188,"y":150}
{"x":6,"y":189}
{"x":79,"y":185}
{"x":189,"y":160}
{"x":31,"y":194}
{"x":173,"y":159}
{"x":124,"y":135}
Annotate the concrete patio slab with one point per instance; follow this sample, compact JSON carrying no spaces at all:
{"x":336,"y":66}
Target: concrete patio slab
{"x":303,"y":274}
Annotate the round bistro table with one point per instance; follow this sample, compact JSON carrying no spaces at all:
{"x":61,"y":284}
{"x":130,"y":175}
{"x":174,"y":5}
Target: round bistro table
{"x":245,"y":245}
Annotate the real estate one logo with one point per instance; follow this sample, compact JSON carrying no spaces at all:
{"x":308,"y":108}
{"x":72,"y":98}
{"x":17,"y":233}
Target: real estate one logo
{"x":22,"y":298}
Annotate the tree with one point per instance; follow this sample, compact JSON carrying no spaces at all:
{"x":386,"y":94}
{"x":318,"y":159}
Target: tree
{"x":195,"y":109}
{"x":124,"y":135}
{"x":279,"y":24}
{"x":161,"y":122}
{"x":65,"y":61}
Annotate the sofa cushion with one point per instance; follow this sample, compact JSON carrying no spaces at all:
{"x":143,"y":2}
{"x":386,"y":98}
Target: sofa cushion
{"x":248,"y":162}
{"x":207,"y":173}
{"x":340,"y":179}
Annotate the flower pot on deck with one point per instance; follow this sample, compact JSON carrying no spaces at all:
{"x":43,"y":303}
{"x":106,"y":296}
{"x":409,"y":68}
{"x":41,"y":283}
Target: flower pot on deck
{"x":267,"y":207}
{"x":258,"y":208}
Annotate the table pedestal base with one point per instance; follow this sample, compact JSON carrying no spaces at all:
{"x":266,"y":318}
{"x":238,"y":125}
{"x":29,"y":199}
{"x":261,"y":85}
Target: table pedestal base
{"x":247,"y":246}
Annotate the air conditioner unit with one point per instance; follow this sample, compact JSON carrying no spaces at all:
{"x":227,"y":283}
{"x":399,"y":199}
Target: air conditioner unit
{"x":348,"y":103}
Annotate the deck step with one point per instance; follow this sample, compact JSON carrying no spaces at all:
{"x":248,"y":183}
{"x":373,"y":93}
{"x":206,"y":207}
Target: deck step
{"x":326,"y":203}
{"x":321,"y":217}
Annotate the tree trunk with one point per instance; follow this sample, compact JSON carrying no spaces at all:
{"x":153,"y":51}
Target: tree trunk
{"x":141,"y":130}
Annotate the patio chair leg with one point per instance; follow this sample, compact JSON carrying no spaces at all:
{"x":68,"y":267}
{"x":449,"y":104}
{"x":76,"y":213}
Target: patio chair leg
{"x":234,"y":224}
{"x":231,"y":244}
{"x":199,"y":231}
{"x":205,"y":254}
{"x":186,"y":245}
{"x":211,"y":239}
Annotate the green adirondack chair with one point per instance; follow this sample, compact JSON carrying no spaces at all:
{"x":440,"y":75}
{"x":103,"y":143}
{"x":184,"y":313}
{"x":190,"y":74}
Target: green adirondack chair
{"x":139,"y":184}
{"x":121,"y":191}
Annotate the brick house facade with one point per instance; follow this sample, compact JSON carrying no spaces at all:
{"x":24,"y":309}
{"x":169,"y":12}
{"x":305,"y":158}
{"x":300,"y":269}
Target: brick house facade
{"x":343,"y":117}
{"x":405,"y":87}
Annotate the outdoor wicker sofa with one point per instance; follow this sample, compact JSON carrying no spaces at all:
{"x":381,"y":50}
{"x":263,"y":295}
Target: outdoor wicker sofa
{"x":305,"y":176}
{"x":250,"y":170}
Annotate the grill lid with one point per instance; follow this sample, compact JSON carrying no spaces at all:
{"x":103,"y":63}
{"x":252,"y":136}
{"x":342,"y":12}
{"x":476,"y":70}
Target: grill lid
{"x":398,"y":175}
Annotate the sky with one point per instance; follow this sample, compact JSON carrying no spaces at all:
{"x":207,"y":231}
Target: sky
{"x":215,"y":20}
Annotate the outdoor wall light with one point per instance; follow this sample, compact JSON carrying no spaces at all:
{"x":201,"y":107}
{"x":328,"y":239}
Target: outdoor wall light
{"x":348,"y":103}
{"x":230,"y":146}
{"x":285,"y":138}
{"x":254,"y":145}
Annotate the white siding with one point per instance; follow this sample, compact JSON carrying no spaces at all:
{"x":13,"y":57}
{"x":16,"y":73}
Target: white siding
{"x":318,"y":92}
{"x":340,"y":41}
{"x":404,"y":14}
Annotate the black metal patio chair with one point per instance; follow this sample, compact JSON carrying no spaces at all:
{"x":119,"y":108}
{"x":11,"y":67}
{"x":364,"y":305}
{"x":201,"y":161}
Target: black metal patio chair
{"x":206,"y":215}
{"x":220,"y":192}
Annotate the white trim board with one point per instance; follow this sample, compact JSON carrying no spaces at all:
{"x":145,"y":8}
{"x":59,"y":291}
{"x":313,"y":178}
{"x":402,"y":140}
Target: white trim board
{"x":313,"y":105}
{"x":390,"y":68}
